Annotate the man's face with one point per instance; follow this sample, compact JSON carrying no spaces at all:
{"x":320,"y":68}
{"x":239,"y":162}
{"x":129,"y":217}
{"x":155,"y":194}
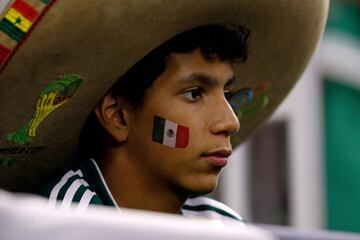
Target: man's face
{"x":190,"y":92}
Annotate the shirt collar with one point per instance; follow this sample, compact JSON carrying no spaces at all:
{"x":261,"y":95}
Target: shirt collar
{"x":94,"y":177}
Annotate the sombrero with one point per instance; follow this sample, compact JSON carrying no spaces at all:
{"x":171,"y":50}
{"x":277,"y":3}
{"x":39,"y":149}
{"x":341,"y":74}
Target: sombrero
{"x":59,"y":57}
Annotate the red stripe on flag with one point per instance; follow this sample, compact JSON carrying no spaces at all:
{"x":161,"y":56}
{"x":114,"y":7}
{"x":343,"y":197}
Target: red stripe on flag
{"x":4,"y":53}
{"x":25,"y":9}
{"x":182,"y":137}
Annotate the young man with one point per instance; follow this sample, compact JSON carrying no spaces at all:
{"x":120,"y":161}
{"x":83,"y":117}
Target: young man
{"x":178,"y":90}
{"x":161,"y":135}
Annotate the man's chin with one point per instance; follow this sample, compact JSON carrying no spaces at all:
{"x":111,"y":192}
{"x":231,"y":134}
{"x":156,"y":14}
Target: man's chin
{"x":201,"y":188}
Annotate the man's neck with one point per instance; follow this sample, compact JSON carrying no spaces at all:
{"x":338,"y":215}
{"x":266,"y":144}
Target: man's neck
{"x":132,"y":187}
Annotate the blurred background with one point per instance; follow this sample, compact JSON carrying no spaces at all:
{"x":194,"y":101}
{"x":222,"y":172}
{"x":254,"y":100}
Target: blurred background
{"x":302,"y":168}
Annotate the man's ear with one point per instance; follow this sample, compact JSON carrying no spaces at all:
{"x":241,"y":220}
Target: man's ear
{"x":112,"y":113}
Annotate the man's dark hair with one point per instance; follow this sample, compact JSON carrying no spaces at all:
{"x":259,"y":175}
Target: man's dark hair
{"x":226,"y":43}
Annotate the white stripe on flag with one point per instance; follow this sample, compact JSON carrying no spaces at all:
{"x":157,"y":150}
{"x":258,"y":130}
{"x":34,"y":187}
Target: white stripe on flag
{"x":70,"y":193}
{"x":170,"y":133}
{"x":55,"y":191}
{"x":85,"y":200}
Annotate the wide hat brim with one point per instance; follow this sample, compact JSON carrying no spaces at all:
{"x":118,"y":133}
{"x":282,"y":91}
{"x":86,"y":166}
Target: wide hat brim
{"x":90,"y":44}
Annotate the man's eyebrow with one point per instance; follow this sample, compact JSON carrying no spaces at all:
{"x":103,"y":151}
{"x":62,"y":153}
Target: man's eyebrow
{"x":206,"y":80}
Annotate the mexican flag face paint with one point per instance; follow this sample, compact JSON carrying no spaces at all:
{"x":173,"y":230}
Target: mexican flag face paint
{"x":169,"y":133}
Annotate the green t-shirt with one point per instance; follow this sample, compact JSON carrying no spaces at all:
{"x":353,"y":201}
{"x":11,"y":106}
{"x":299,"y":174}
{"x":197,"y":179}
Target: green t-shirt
{"x":85,"y":185}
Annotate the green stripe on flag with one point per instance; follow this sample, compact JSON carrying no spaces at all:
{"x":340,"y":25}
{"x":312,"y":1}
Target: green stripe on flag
{"x":158,"y":130}
{"x":45,"y":1}
{"x":7,"y":27}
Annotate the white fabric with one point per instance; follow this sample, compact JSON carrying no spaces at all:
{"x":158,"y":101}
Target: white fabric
{"x":28,"y":218}
{"x":211,"y":202}
{"x":207,"y":214}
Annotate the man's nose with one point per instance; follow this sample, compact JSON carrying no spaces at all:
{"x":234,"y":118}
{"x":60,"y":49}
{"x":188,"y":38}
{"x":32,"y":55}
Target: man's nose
{"x":224,"y":119}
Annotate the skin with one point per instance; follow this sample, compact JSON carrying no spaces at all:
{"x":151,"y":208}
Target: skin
{"x":142,"y":174}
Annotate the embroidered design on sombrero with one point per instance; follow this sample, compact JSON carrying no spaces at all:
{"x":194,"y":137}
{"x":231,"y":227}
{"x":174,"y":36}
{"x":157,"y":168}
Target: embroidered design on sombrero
{"x":51,"y":98}
{"x":247,"y":102}
{"x":6,"y":161}
{"x":17,"y":22}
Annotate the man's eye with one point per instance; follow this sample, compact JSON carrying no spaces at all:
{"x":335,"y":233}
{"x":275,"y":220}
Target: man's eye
{"x":193,"y":94}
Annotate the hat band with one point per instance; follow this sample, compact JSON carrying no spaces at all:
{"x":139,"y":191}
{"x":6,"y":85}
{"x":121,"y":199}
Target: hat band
{"x":16,"y":25}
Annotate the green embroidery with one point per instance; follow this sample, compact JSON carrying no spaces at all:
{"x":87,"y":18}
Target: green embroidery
{"x":249,"y":110}
{"x":6,"y":161}
{"x":248,"y":104}
{"x":20,"y":150}
{"x":21,"y":136}
{"x":53,"y":96}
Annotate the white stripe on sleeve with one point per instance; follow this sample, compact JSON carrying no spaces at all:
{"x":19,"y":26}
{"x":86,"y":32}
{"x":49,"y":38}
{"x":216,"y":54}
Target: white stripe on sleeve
{"x":85,"y":200}
{"x":70,"y":193}
{"x":55,"y":191}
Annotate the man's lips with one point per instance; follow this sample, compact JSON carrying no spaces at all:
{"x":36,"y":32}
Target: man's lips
{"x":217,"y":158}
{"x":225,"y":153}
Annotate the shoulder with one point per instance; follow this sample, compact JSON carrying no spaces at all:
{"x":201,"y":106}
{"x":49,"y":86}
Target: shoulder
{"x":208,"y":208}
{"x":67,"y":189}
